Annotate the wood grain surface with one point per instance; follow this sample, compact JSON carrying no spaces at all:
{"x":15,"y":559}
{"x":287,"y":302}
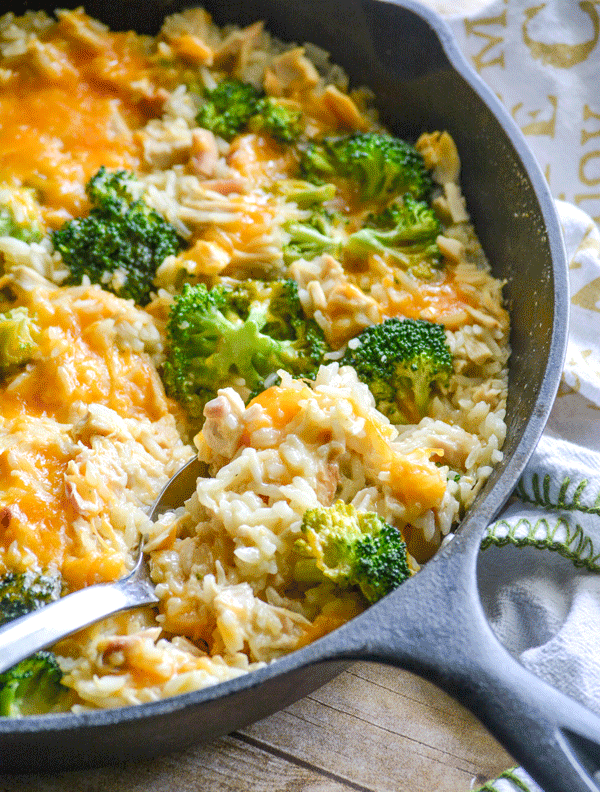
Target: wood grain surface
{"x":372,"y":729}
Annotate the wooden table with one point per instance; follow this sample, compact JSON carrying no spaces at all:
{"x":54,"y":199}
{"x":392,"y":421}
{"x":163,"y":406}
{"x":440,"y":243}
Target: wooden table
{"x":373,"y":728}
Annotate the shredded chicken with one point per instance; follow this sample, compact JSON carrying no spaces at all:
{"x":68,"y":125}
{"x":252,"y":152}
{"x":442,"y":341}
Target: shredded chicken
{"x":204,"y":154}
{"x":344,"y":109}
{"x":290,"y":73}
{"x":441,"y":156}
{"x":234,"y":52}
{"x":223,"y":427}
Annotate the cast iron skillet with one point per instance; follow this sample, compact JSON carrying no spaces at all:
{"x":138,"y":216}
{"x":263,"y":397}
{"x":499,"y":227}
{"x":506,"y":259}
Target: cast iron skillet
{"x":434,"y":624}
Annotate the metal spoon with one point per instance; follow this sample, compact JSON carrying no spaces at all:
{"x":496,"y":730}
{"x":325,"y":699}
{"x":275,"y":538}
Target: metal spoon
{"x":41,"y":628}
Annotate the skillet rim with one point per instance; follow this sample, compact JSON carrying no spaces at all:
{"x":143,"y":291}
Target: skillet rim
{"x":494,"y":494}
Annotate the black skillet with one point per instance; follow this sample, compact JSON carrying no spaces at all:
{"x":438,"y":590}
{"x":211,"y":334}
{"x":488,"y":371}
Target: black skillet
{"x":434,"y":624}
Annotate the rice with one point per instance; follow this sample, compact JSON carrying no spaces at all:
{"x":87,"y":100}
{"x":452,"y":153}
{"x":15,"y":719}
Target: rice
{"x":86,"y":428}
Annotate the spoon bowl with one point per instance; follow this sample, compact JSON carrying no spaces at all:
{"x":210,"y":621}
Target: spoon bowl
{"x":178,"y":489}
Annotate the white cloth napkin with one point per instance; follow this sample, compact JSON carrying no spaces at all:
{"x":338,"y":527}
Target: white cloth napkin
{"x":543,"y":61}
{"x":539,"y":566}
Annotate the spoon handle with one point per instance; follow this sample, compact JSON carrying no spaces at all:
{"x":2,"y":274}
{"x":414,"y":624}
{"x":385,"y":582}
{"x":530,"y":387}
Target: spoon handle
{"x":22,"y":637}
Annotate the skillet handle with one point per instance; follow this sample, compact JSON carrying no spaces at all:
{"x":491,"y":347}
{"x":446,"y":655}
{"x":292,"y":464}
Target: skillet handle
{"x":434,"y":626}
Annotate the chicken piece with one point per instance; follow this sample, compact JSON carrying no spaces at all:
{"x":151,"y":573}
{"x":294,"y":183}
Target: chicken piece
{"x":204,"y":153}
{"x":192,"y":35}
{"x":290,"y":73}
{"x":349,"y":310}
{"x":441,"y":156}
{"x":456,"y":203}
{"x":223,"y":426}
{"x":88,"y":33}
{"x":192,"y":49}
{"x":451,"y":249}
{"x":328,"y":477}
{"x":226,"y":186}
{"x":234,"y":52}
{"x":99,"y":420}
{"x":344,"y":109}
{"x":49,"y":63}
{"x":165,"y":143}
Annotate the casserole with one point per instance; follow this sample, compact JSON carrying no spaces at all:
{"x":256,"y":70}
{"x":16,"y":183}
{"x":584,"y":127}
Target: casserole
{"x":420,"y":90}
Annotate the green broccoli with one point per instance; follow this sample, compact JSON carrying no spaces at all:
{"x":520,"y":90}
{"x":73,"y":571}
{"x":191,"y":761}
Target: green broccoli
{"x":23,"y":592}
{"x":304,"y":193}
{"x":377,"y":166}
{"x":351,"y":548}
{"x":33,"y":686}
{"x":234,"y":106}
{"x":242,"y":331}
{"x":9,"y":227}
{"x":407,"y":231}
{"x":18,"y":339}
{"x":120,"y":243}
{"x":311,"y":238}
{"x":19,"y":214}
{"x":228,"y":108}
{"x":281,"y":122}
{"x":400,"y":360}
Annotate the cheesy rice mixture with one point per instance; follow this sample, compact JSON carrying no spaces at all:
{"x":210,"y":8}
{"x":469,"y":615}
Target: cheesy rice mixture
{"x":88,"y":436}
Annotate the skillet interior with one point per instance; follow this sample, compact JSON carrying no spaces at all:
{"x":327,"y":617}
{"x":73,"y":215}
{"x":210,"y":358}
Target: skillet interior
{"x":424,"y":84}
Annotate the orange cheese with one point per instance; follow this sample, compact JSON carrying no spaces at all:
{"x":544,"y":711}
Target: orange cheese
{"x":36,"y":519}
{"x":79,"y":112}
{"x":279,"y":407}
{"x":416,"y":483}
{"x":413,"y":479}
{"x":76,"y":361}
{"x":261,"y":158}
{"x":440,"y":300}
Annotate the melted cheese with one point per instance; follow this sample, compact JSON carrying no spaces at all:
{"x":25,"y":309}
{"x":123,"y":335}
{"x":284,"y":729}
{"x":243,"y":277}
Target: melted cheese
{"x":35,"y":518}
{"x":440,"y":301}
{"x":77,"y":361}
{"x":262,"y":159}
{"x":413,"y":479}
{"x":279,"y":407}
{"x":79,"y":113}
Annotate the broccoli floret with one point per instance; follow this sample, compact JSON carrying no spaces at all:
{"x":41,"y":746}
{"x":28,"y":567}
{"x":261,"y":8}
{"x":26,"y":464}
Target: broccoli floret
{"x":20,"y":215}
{"x":33,"y":686}
{"x":120,"y":243}
{"x":281,"y":122}
{"x":379,"y":166}
{"x":400,"y":360}
{"x":18,"y":339}
{"x":304,"y":193}
{"x":353,"y":548}
{"x":311,"y":238}
{"x":407,"y":231}
{"x":234,"y":106}
{"x":247,"y":330}
{"x":228,"y":108}
{"x":23,"y":592}
{"x":9,"y":227}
